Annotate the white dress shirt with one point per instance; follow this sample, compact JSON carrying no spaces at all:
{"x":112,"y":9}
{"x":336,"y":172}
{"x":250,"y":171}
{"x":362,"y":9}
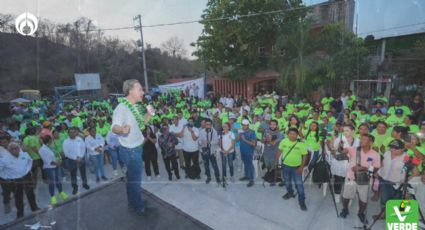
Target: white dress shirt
{"x":190,"y":145}
{"x":12,"y":167}
{"x":112,"y":140}
{"x":48,"y":156}
{"x":93,"y":143}
{"x":177,"y":129}
{"x":73,"y":148}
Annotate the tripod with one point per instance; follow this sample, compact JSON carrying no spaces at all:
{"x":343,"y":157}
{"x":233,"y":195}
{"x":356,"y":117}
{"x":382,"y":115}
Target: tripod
{"x":328,"y":173}
{"x":403,"y":190}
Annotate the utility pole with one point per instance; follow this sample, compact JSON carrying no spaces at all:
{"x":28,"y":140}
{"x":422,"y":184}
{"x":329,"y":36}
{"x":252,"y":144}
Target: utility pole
{"x":138,"y":22}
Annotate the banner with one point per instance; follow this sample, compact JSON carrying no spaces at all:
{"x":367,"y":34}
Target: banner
{"x":192,"y":87}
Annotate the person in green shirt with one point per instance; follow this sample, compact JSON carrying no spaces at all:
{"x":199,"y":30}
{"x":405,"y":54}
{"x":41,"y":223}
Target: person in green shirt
{"x":31,"y":145}
{"x":326,"y":102}
{"x":102,"y":128}
{"x":381,"y":98}
{"x":351,"y":99}
{"x":398,"y":105}
{"x":294,"y":158}
{"x":312,"y":140}
{"x":396,"y":119}
{"x":315,"y":118}
{"x":378,"y":116}
{"x":408,"y":122}
{"x":381,"y":134}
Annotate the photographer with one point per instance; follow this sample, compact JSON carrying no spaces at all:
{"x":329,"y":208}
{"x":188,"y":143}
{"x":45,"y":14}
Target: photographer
{"x":363,"y":162}
{"x":391,"y":175}
{"x":339,"y":159}
{"x":208,"y":142}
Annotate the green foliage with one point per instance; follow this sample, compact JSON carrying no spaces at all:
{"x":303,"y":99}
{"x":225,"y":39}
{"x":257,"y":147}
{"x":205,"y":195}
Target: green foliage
{"x":234,"y":43}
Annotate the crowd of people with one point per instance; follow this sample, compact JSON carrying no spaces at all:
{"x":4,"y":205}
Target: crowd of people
{"x":367,"y":148}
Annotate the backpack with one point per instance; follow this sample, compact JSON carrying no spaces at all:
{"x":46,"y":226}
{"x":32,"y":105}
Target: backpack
{"x":271,"y":176}
{"x":320,"y":173}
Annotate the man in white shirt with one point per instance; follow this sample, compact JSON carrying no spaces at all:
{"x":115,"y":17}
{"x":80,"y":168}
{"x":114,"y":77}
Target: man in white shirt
{"x":113,"y":147}
{"x":4,"y":142}
{"x":191,"y":150}
{"x":177,"y":129}
{"x":95,"y":146}
{"x":74,"y":149}
{"x":15,"y":169}
{"x":128,"y":127}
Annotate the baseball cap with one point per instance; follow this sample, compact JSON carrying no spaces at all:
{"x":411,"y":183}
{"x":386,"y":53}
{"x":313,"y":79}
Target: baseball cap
{"x":399,"y":111}
{"x":245,"y":122}
{"x":396,"y":144}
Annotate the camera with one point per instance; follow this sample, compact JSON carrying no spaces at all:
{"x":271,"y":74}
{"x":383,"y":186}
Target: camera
{"x":189,"y":125}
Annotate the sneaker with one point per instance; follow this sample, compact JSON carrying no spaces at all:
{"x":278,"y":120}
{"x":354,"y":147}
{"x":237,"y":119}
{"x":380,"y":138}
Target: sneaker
{"x":116,"y":174}
{"x":282,"y":183}
{"x":208,"y":180}
{"x":104,"y":178}
{"x":158,"y":176}
{"x":170,"y":177}
{"x":74,"y":191}
{"x":303,"y":206}
{"x":97,"y":179}
{"x":63,"y":196}
{"x":243,"y":178}
{"x":344,"y":213}
{"x":178,"y":177}
{"x":337,"y":198}
{"x":86,"y":186}
{"x":7,"y":208}
{"x":149,"y":178}
{"x":288,"y":196}
{"x":272,"y":184}
{"x":53,"y":200}
{"x":218,"y":180}
{"x":250,"y":184}
{"x":362,"y":218}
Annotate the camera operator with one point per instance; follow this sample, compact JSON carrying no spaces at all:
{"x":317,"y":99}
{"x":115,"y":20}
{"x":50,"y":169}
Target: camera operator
{"x":391,"y":175}
{"x":208,"y":142}
{"x":363,"y":161}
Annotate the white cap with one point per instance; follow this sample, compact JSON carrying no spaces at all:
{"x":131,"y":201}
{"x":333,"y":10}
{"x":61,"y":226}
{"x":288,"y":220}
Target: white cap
{"x":245,"y":122}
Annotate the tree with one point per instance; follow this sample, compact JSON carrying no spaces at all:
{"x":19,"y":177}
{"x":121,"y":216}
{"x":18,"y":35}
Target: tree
{"x":231,"y":39}
{"x":175,"y":47}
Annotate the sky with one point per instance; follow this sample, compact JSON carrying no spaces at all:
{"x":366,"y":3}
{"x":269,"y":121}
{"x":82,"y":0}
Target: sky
{"x":381,"y":18}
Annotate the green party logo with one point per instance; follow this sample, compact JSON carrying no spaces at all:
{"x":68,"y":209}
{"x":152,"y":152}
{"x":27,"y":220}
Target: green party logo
{"x":402,"y":215}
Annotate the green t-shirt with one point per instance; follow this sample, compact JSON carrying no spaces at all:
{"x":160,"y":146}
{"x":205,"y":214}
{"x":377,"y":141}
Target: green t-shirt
{"x":57,"y":148}
{"x":311,"y":141}
{"x":31,"y":142}
{"x":393,"y":120}
{"x":406,"y":110}
{"x":381,"y":140}
{"x":293,"y":158}
{"x":326,"y":101}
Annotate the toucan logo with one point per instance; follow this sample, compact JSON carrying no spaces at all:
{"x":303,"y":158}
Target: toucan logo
{"x":402,"y":214}
{"x":26,"y":24}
